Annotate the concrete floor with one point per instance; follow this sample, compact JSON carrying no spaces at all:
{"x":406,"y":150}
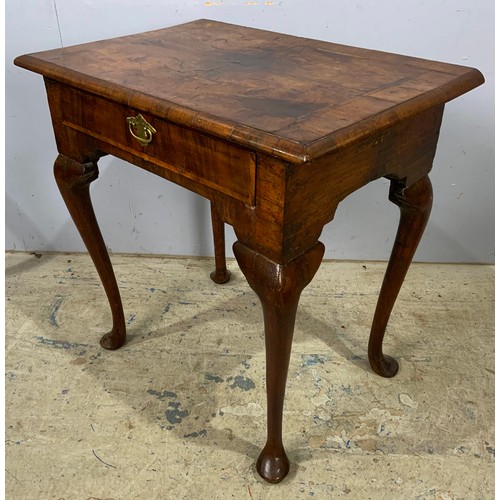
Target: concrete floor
{"x":179,"y":412}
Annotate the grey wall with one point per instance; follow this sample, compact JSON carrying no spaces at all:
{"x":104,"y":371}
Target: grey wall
{"x":141,"y":213}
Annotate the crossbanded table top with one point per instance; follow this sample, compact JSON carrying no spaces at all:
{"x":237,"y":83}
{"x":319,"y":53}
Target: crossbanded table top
{"x":296,"y":97}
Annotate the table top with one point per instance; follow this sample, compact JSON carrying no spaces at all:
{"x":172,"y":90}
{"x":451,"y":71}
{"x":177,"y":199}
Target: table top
{"x":292,"y":97}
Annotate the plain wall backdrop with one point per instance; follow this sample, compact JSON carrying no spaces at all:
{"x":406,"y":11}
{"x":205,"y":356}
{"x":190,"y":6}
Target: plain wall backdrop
{"x":141,"y":213}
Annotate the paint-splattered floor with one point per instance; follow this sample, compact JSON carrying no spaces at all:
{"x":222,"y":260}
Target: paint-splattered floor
{"x":179,"y":412}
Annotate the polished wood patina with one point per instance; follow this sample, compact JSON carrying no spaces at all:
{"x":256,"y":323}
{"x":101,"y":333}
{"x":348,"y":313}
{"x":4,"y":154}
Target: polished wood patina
{"x":275,"y":131}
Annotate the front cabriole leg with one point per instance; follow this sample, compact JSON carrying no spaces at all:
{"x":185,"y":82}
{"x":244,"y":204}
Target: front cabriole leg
{"x":73,"y":179}
{"x":415,"y":203}
{"x":279,"y":287}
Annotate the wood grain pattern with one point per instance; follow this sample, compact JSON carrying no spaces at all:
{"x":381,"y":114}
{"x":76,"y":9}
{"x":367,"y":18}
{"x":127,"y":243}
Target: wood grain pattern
{"x":415,"y":203}
{"x":73,"y":180}
{"x":291,"y":97}
{"x":226,"y":167}
{"x":220,"y":274}
{"x":278,"y":287}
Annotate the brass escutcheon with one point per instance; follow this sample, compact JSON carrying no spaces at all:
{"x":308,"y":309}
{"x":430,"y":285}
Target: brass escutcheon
{"x":143,"y":130}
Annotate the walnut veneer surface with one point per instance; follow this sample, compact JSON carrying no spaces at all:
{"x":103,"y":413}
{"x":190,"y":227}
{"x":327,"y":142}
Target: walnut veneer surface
{"x":292,"y":96}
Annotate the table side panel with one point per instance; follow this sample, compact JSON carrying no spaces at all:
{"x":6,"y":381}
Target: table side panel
{"x":294,"y":202}
{"x":404,"y":151}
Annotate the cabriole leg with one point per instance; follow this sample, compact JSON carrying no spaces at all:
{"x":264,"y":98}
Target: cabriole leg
{"x":220,"y":275}
{"x":73,"y":180}
{"x":415,"y":203}
{"x":279,"y":287}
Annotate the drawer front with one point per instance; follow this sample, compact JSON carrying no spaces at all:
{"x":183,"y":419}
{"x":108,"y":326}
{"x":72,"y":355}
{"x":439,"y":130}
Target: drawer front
{"x":209,"y":161}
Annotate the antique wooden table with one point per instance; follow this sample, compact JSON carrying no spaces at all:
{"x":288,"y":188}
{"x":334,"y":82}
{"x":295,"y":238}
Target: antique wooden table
{"x":275,"y":130}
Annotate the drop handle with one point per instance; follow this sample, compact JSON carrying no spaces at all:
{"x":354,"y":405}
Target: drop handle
{"x":140,"y":129}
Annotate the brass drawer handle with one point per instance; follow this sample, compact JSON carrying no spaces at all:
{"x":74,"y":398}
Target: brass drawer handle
{"x":143,"y":130}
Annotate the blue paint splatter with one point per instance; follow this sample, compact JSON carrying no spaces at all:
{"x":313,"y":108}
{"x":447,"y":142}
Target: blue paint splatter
{"x":242,"y":383}
{"x":201,"y":433}
{"x":175,"y":415}
{"x":61,"y":344}
{"x":213,"y":378}
{"x":55,"y":307}
{"x":162,"y":395}
{"x":312,"y":360}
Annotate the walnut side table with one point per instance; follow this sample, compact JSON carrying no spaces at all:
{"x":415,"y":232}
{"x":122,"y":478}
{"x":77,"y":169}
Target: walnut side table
{"x":275,"y":131}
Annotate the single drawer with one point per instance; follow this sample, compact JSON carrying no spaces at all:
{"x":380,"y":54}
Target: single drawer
{"x":210,"y":161}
